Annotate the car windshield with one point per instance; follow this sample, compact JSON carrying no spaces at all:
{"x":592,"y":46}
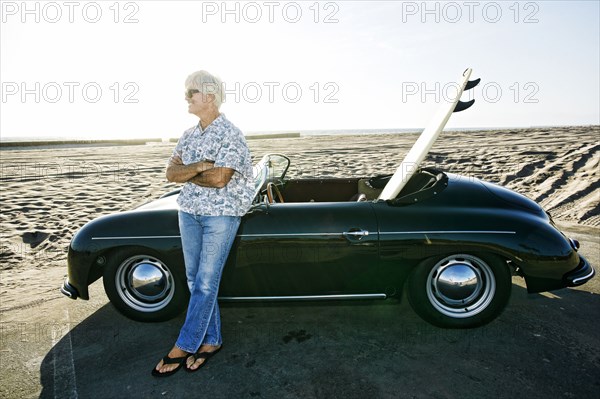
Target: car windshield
{"x":271,"y":167}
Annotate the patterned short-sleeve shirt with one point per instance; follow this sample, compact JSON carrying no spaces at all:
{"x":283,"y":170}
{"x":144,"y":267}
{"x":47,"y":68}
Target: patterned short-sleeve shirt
{"x":223,"y":143}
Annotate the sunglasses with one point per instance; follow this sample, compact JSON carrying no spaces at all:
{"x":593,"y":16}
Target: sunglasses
{"x":190,"y":93}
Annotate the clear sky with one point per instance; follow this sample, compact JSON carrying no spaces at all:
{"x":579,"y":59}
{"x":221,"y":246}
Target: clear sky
{"x":110,"y":69}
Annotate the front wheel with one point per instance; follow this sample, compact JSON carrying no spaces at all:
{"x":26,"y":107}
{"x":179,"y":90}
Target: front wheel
{"x":143,"y":287}
{"x":461,"y":290}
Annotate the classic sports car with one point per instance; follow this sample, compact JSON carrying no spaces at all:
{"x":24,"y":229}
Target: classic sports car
{"x":452,"y":242}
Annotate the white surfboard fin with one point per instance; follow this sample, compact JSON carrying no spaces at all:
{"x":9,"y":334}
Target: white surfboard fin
{"x":462,"y":105}
{"x":472,"y":83}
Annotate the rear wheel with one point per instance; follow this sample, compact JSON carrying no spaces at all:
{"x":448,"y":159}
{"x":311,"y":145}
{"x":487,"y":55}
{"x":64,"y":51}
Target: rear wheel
{"x":461,"y":290}
{"x":143,"y":287}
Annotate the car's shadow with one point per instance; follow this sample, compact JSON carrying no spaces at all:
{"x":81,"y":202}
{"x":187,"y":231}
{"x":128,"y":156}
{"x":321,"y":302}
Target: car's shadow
{"x":539,"y":346}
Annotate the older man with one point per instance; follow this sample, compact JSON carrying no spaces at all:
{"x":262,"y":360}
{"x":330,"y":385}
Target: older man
{"x":213,"y":160}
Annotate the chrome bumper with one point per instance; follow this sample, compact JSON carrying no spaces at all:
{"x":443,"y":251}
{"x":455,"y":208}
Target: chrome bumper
{"x":582,"y":274}
{"x":68,"y":290}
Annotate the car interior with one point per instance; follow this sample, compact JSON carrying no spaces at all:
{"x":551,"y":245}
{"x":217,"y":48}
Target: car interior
{"x":344,"y":189}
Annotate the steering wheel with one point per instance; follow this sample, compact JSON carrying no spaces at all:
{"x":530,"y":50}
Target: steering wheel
{"x":273,"y":187}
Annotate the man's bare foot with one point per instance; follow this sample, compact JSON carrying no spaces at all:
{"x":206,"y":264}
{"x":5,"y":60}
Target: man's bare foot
{"x":204,"y":350}
{"x":175,"y":353}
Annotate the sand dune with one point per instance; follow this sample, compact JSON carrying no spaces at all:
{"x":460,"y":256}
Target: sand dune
{"x":49,"y":193}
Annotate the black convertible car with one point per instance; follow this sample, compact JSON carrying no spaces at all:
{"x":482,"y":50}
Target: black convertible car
{"x":452,"y":242}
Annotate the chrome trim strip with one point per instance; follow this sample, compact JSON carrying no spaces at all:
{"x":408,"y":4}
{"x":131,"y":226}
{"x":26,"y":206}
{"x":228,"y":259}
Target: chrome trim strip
{"x":290,"y":234}
{"x":239,"y":235}
{"x":451,"y":232}
{"x":591,"y":273}
{"x":132,"y":237}
{"x":302,"y":297}
{"x":325,"y":234}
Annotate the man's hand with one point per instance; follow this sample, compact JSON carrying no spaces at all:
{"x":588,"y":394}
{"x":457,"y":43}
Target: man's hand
{"x":178,"y":172}
{"x":204,"y":166}
{"x":215,"y":177}
{"x":176,"y":160}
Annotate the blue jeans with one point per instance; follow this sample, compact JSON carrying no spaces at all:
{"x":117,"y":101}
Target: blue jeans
{"x":206,"y":241}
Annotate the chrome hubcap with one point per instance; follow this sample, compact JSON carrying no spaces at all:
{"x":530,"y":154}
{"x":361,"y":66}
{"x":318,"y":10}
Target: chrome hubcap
{"x":461,"y":286}
{"x":145,"y":283}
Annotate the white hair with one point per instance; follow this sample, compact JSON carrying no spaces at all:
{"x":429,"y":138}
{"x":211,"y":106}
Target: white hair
{"x":206,"y":83}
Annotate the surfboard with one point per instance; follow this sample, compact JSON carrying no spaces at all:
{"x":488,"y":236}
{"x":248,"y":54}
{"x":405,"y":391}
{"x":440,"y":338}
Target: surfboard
{"x":419,"y":150}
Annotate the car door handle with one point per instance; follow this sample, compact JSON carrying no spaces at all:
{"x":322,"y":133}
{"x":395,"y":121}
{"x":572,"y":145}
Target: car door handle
{"x":356,"y":234}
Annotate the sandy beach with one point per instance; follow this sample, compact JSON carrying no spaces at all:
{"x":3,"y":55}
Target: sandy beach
{"x":49,"y":192}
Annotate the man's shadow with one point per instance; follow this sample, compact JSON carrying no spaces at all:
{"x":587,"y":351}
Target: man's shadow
{"x":326,"y":349}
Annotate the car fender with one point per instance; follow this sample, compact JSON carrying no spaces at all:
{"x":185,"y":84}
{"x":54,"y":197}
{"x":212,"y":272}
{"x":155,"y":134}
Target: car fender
{"x":90,"y":248}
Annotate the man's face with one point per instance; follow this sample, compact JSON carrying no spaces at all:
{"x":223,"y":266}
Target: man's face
{"x":197,"y":102}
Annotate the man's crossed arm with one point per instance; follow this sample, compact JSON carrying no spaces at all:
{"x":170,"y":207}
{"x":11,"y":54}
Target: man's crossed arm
{"x":201,"y":173}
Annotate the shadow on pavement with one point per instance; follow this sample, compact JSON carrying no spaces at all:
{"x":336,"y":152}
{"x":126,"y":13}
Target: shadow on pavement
{"x":541,"y":346}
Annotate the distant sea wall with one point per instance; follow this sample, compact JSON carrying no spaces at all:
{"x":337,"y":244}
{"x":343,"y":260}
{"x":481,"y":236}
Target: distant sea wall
{"x":53,"y":143}
{"x":16,"y":145}
{"x":272,"y":136}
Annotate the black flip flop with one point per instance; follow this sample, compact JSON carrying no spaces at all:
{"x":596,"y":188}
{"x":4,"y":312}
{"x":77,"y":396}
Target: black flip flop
{"x":201,"y":355}
{"x":170,"y":360}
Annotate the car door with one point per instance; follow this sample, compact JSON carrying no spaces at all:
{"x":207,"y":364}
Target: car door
{"x":304,"y":249}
